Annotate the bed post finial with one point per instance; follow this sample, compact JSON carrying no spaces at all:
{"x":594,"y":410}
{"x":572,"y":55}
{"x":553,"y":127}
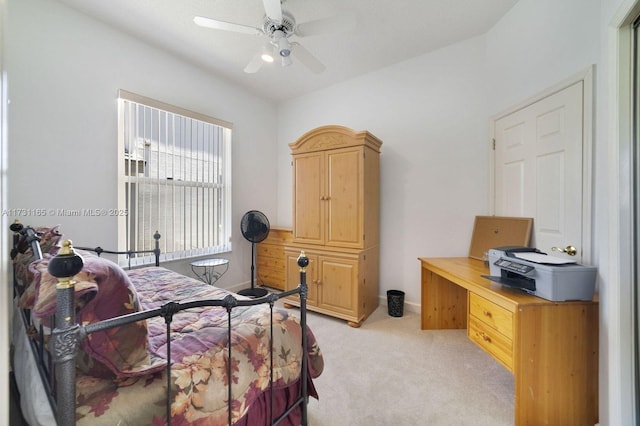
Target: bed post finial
{"x":16,"y":227}
{"x":303,"y":261}
{"x":156,"y":250}
{"x":65,"y":265}
{"x":66,"y":333}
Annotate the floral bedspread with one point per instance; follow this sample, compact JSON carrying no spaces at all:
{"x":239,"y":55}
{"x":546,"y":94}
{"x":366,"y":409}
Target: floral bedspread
{"x":199,"y":357}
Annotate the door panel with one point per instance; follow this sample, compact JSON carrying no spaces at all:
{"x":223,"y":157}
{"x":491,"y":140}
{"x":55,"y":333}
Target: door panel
{"x":550,"y":175}
{"x":308,"y":190}
{"x":293,"y":276}
{"x":538,"y":168}
{"x":513,"y":189}
{"x":511,"y":176}
{"x":345,"y":198}
{"x":338,"y":284}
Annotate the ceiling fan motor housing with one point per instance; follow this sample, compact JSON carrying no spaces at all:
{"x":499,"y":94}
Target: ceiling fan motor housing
{"x":287,"y":26}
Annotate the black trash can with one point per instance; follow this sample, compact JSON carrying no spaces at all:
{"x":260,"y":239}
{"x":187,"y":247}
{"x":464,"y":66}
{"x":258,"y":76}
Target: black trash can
{"x":395,"y":302}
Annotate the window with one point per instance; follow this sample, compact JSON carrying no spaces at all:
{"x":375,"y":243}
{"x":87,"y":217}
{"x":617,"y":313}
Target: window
{"x":175,"y":179}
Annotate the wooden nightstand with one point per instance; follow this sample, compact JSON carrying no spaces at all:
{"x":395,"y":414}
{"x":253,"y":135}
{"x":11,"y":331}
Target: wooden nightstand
{"x":270,"y":258}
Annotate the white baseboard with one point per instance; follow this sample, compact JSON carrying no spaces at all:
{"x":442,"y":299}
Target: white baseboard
{"x":237,"y":287}
{"x":408,"y":306}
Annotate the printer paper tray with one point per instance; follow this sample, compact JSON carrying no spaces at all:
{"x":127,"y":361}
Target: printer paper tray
{"x":509,"y":282}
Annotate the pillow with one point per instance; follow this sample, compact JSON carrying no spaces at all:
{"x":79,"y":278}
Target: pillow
{"x":103,"y":291}
{"x":49,"y":239}
{"x":43,"y":304}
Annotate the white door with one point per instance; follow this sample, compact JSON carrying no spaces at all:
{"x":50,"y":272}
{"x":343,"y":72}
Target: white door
{"x":539,"y":169}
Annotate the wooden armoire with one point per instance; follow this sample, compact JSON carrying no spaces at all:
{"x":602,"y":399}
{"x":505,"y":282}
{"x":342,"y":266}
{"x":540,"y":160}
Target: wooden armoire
{"x":336,"y":221}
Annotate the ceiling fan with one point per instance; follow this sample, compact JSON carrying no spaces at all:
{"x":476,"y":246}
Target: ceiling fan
{"x":279,"y":25}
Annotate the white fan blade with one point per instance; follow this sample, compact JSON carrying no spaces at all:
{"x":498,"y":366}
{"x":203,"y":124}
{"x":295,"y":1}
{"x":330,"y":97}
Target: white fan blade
{"x":343,"y":22}
{"x":225,"y":26}
{"x":273,"y":9}
{"x":306,"y":58}
{"x":254,"y":64}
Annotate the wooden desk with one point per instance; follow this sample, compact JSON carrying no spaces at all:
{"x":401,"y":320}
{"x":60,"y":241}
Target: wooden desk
{"x":550,"y":347}
{"x":270,"y":258}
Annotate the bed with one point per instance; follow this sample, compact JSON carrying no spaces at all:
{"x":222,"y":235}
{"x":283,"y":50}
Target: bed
{"x":149,"y":346}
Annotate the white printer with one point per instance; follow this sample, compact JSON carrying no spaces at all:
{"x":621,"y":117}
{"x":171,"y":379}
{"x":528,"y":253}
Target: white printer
{"x":549,"y":277}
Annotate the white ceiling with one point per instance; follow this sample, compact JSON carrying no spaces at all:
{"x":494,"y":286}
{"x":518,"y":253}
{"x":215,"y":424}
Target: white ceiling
{"x":385,"y":32}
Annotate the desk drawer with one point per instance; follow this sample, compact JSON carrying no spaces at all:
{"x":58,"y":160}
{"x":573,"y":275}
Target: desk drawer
{"x":491,"y":314}
{"x":498,"y":346}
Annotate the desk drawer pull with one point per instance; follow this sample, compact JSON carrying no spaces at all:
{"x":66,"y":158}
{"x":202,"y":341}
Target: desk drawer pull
{"x":485,"y":337}
{"x":491,"y":314}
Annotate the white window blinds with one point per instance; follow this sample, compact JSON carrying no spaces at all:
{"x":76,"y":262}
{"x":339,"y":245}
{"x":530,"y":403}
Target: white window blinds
{"x":176,"y":179}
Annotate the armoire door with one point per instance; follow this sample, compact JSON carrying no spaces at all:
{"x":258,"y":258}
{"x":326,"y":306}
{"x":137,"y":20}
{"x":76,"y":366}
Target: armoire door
{"x":344,"y":200}
{"x":309,"y":198}
{"x":338,"y":284}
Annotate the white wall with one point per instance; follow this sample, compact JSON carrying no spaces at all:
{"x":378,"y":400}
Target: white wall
{"x":430,"y":114}
{"x":64,"y":71}
{"x":538,"y":44}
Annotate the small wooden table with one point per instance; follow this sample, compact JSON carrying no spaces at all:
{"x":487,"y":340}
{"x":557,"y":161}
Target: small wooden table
{"x":550,"y":347}
{"x":205,"y":269}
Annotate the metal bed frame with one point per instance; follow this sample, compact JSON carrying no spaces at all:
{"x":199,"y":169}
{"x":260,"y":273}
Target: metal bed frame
{"x":60,"y":366}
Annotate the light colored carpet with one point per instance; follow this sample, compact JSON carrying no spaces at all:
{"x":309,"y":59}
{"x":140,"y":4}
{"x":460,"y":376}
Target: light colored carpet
{"x":389,"y":372}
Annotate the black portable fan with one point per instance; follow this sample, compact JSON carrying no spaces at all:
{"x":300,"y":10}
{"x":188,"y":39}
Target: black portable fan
{"x":255,"y":228}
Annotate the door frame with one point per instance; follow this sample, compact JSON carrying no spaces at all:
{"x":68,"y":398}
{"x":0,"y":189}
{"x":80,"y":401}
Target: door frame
{"x":586,"y":77}
{"x":621,"y":371}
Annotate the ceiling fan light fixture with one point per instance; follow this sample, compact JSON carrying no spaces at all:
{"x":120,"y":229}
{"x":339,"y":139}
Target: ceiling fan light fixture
{"x":284,"y":47}
{"x":286,"y":61}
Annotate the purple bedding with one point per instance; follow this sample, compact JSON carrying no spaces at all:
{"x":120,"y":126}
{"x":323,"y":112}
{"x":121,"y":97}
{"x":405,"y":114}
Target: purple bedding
{"x":121,"y":371}
{"x":199,"y":362}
